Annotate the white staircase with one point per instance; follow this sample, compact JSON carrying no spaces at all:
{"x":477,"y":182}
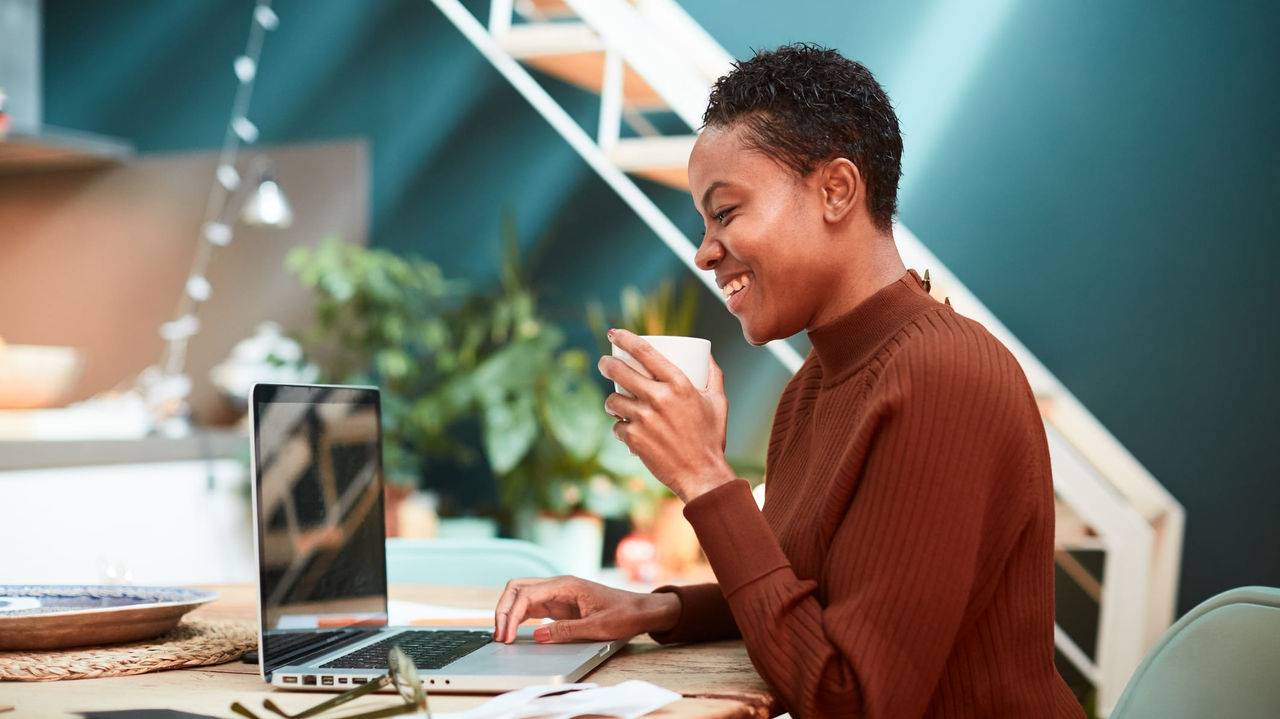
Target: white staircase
{"x":643,"y":56}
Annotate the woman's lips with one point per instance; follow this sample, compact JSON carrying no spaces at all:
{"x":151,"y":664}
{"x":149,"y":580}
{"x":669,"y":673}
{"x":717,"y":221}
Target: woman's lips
{"x":735,"y":292}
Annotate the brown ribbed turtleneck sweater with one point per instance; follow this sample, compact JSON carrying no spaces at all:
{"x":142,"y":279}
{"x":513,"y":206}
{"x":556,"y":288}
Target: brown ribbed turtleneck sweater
{"x":903,"y":564}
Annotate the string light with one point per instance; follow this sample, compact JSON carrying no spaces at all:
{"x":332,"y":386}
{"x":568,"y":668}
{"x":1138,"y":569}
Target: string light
{"x":265,"y":16}
{"x":246,"y":130}
{"x":228,"y":177}
{"x":218,"y":233}
{"x":199,"y":288}
{"x":165,"y":387}
{"x":246,"y":68}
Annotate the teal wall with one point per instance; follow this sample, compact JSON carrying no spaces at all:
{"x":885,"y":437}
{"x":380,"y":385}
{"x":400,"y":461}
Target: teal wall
{"x":1102,"y":175}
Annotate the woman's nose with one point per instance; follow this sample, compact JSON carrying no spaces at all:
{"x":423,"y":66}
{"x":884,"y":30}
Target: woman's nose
{"x":709,"y":254}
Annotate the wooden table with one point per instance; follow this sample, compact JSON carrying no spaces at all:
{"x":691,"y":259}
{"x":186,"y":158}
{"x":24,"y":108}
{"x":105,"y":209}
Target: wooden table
{"x":716,"y":679}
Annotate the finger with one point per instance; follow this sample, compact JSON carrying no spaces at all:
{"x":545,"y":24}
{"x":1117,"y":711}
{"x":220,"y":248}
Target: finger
{"x":567,"y":630}
{"x":627,"y":377}
{"x":621,"y":429}
{"x":622,"y":407}
{"x":659,"y":367}
{"x":505,"y":602}
{"x":515,"y":617}
{"x":715,"y":377}
{"x":509,"y":592}
{"x":532,"y":602}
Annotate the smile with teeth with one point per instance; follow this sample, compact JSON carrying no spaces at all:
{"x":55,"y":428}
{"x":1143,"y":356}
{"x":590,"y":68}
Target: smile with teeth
{"x":733,"y":286}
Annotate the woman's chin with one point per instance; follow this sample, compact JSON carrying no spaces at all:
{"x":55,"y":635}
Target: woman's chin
{"x":754,"y":337}
{"x":759,"y":336}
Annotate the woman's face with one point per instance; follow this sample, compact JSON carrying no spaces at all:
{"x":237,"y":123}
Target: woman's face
{"x":766,"y":238}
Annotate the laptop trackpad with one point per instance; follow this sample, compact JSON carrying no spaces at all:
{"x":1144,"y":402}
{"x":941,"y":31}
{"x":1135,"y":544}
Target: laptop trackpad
{"x":525,"y":657}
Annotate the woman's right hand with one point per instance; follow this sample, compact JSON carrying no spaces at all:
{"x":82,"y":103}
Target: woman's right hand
{"x":582,"y":610}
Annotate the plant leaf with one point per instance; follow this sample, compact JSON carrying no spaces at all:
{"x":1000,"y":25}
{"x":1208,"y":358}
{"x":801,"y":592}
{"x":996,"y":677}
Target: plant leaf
{"x":574,"y":407}
{"x":510,"y":428}
{"x":616,"y":459}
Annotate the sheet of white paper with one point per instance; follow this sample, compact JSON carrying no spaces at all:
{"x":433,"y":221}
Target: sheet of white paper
{"x":402,"y":613}
{"x":627,"y":700}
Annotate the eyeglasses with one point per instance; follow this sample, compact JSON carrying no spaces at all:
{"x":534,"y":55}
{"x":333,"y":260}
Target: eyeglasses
{"x":401,"y":672}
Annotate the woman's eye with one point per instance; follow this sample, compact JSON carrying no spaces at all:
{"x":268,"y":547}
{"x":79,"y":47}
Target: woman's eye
{"x":722,"y":214}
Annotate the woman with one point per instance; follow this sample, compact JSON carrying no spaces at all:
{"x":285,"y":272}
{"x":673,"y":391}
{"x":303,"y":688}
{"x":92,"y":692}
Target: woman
{"x":903,"y":563}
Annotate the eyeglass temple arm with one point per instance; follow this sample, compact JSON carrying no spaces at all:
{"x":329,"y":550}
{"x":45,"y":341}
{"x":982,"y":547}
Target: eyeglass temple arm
{"x":406,"y":708}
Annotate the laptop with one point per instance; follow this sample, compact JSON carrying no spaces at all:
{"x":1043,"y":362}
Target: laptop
{"x":322,"y":575}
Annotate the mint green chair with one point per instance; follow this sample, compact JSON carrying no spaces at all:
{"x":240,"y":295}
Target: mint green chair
{"x":473,"y":562}
{"x":1220,"y":661}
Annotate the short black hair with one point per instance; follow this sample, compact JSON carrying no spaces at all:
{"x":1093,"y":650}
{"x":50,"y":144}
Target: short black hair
{"x":803,"y":105}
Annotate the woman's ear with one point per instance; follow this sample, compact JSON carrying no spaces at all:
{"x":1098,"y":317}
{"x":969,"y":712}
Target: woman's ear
{"x":842,"y":189}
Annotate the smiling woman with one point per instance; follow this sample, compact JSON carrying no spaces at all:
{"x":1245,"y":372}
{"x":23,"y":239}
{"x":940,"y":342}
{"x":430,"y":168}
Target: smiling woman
{"x":902,"y":564}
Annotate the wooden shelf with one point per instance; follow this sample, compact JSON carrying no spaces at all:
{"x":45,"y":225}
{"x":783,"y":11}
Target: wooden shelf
{"x":538,"y":9}
{"x":57,"y":149}
{"x":201,"y":444}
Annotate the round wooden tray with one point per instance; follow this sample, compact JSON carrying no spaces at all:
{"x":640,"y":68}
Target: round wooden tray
{"x":60,"y":616}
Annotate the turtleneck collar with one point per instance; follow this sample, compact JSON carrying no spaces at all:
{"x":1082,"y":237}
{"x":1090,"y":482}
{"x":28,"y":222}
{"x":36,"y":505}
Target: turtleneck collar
{"x":850,"y":340}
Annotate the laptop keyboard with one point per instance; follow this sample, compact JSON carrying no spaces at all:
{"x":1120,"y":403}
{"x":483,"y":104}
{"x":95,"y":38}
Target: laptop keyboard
{"x":428,"y":649}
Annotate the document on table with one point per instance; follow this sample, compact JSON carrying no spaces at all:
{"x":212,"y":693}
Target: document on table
{"x":406,"y":614}
{"x":628,"y":700}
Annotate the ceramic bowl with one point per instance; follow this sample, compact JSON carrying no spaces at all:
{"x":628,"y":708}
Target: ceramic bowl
{"x":37,"y":376}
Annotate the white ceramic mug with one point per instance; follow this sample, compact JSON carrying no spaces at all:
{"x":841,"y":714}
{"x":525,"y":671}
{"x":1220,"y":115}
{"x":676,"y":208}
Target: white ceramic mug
{"x":691,"y":354}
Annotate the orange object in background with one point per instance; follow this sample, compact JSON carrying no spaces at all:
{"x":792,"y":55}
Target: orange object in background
{"x":637,"y":557}
{"x":676,"y":544}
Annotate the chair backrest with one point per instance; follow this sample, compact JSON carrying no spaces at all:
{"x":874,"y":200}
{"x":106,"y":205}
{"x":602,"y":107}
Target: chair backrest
{"x":474,"y":562}
{"x":1220,"y":661}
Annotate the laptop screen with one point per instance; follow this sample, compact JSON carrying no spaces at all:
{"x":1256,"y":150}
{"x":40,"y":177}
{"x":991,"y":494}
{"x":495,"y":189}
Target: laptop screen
{"x":318,"y":498}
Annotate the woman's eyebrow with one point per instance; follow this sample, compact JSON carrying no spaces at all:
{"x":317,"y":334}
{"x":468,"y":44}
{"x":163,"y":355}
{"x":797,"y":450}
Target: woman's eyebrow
{"x":706,"y":195}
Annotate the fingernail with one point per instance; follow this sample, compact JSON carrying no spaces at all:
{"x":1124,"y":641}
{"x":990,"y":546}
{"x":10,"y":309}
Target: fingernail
{"x":542,"y":634}
{"x":611,"y":333}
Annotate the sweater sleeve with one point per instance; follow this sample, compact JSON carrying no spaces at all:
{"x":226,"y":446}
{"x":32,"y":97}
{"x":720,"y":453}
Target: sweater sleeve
{"x":704,"y":615}
{"x":930,"y":523}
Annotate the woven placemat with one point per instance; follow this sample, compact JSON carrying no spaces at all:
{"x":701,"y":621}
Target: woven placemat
{"x":193,"y":643}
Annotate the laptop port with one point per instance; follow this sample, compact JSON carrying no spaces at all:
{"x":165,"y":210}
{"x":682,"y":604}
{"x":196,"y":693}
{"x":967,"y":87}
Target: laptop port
{"x":342,"y":680}
{"x":309,"y":679}
{"x":359,"y":680}
{"x":290,"y":680}
{"x":327,"y":681}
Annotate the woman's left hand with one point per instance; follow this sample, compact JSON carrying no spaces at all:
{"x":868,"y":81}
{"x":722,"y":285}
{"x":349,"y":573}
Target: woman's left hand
{"x":676,"y":429}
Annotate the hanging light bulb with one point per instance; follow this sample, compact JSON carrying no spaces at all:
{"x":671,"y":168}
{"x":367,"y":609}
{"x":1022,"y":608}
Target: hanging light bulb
{"x":267,"y":205}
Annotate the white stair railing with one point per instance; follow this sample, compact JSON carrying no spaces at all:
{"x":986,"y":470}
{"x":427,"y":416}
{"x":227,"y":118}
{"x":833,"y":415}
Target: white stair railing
{"x":642,"y":54}
{"x":592,"y":153}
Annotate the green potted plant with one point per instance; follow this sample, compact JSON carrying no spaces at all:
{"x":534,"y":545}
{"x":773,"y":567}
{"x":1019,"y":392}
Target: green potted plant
{"x":444,"y":355}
